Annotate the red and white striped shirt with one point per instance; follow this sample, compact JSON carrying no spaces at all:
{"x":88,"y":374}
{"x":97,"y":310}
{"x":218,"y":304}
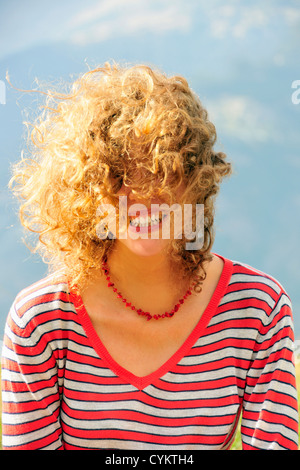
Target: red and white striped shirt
{"x":63,"y":390}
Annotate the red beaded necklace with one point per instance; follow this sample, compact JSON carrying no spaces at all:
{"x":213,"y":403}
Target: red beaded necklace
{"x":139,"y":311}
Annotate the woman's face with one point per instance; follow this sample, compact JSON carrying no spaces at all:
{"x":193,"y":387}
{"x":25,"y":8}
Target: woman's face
{"x":141,"y":224}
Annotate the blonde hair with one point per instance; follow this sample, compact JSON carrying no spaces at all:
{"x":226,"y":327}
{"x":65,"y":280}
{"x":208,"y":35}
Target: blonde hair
{"x":113,"y":121}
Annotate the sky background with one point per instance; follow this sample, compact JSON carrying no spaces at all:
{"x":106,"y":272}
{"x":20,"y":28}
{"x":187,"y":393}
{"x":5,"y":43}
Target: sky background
{"x":241,"y":58}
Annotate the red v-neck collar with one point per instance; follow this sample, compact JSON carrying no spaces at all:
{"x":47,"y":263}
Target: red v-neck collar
{"x":142,"y":382}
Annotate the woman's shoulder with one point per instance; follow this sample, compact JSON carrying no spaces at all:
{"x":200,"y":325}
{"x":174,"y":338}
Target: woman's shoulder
{"x":244,"y":272}
{"x":53,"y":286}
{"x":252,"y":283}
{"x":42,"y":302}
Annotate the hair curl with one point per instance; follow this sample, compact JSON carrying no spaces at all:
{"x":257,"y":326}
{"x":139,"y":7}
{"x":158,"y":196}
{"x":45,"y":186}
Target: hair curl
{"x":86,"y":143}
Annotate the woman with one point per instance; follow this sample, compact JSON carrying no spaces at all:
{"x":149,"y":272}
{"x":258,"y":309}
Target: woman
{"x":138,"y":340}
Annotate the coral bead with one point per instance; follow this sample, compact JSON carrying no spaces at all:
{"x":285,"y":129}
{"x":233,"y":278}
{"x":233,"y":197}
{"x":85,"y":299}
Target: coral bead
{"x":140,"y":311}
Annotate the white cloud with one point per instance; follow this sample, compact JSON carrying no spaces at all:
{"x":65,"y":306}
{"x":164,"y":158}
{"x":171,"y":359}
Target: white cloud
{"x":242,"y":118}
{"x":98,"y":11}
{"x":292,"y":16}
{"x":26,"y":24}
{"x":236,"y":20}
{"x":251,"y":18}
{"x":115,"y":18}
{"x":220,"y":20}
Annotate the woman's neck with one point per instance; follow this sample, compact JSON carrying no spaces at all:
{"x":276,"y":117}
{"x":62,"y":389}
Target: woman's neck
{"x":149,"y":270}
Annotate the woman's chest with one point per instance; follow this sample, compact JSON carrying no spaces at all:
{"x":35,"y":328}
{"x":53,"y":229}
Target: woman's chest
{"x":142,"y":346}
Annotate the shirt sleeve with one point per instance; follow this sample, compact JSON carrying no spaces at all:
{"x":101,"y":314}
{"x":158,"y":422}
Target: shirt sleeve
{"x":270,"y":409}
{"x":30,"y":391}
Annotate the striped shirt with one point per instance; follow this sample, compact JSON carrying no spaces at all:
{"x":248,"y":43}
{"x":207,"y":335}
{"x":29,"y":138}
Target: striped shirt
{"x":63,"y":390}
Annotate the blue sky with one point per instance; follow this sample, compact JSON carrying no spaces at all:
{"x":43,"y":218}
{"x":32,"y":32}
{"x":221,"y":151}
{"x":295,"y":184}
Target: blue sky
{"x":241,"y":59}
{"x":31,"y":22}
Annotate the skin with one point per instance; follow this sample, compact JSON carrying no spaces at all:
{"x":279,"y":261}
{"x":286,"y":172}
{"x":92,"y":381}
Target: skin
{"x":141,"y":271}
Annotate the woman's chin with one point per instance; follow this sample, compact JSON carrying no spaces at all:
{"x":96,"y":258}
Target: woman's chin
{"x":145,"y":247}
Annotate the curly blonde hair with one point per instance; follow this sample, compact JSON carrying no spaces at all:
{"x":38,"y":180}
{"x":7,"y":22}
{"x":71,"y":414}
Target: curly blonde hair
{"x":113,"y":121}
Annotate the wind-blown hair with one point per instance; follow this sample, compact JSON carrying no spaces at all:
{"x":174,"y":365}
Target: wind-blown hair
{"x":114,"y":123}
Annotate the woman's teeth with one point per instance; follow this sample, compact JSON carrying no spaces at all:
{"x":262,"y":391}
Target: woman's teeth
{"x":146,"y":221}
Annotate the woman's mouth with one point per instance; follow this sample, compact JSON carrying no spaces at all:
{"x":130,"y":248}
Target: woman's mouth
{"x":144,"y":223}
